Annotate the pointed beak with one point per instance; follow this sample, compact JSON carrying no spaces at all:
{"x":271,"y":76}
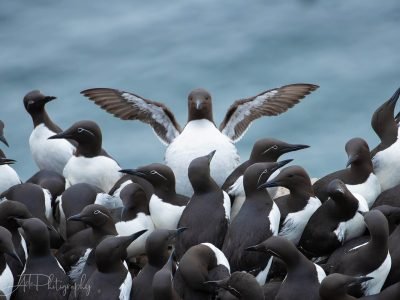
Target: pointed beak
{"x":61,"y":135}
{"x":19,"y":221}
{"x":281,"y":163}
{"x":218,"y":283}
{"x":296,"y":147}
{"x":3,"y":139}
{"x":7,"y":161}
{"x":49,"y":98}
{"x":199,"y":103}
{"x":268,"y":184}
{"x":352,"y":158}
{"x":211,"y":155}
{"x":134,"y":236}
{"x":134,"y":172}
{"x":77,"y":217}
{"x":360,"y":279}
{"x":252,"y":248}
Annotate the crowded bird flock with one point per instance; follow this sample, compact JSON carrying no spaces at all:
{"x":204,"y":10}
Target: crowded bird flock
{"x":203,"y":225}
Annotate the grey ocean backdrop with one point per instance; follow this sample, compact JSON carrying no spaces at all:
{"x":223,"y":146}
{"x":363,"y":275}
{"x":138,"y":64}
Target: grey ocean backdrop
{"x":163,"y":49}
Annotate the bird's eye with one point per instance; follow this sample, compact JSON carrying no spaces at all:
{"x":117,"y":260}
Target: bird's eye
{"x":291,"y":175}
{"x":80,"y":130}
{"x":190,"y":98}
{"x":207,"y":98}
{"x":275,"y":147}
{"x":96,"y":212}
{"x":153,"y":172}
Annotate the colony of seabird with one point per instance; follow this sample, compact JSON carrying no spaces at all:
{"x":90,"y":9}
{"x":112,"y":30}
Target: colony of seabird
{"x":201,"y":225}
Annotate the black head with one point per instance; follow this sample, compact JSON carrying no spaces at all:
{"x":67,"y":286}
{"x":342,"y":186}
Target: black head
{"x":338,"y":191}
{"x":9,"y":210}
{"x":36,"y":233}
{"x":279,"y":247}
{"x":200,"y":105}
{"x":6,"y":244}
{"x":335,"y":286}
{"x":384,"y":123}
{"x":377,"y":224}
{"x":391,"y":213}
{"x":133,"y":196}
{"x":35,"y":101}
{"x":157,"y":244}
{"x":257,"y":174}
{"x":2,"y":137}
{"x":358,"y":152}
{"x":294,"y":178}
{"x":94,"y":215}
{"x":112,"y":250}
{"x":199,"y":172}
{"x":159,"y":175}
{"x":269,"y":149}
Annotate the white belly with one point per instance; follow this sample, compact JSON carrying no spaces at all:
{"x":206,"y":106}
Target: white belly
{"x":199,"y":138}
{"x":100,"y":171}
{"x":8,"y":178}
{"x":294,"y":224}
{"x":374,"y":286}
{"x":387,"y":165}
{"x":370,"y":189}
{"x":163,"y":214}
{"x":350,"y":229}
{"x":6,"y":282}
{"x":141,"y":222}
{"x":49,"y":154}
{"x":125,"y":288}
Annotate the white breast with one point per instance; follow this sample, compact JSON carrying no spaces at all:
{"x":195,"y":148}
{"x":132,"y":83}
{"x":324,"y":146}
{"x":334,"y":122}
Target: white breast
{"x":49,"y":154}
{"x":141,"y":222}
{"x":47,"y":204}
{"x":108,"y":201}
{"x":370,"y":189}
{"x":294,"y":224}
{"x":6,"y":282}
{"x":320,"y":272}
{"x":100,"y":171}
{"x":374,"y":286}
{"x":350,"y":229}
{"x":262,"y":276}
{"x":199,"y":138}
{"x":125,"y":288}
{"x":23,"y":245}
{"x":77,"y":268}
{"x":274,"y":219}
{"x":8,"y":178}
{"x":237,"y":191}
{"x":163,"y":214}
{"x":386,"y":165}
{"x":220,"y":256}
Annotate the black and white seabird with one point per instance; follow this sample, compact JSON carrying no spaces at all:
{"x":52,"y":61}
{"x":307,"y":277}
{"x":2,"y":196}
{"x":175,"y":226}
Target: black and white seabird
{"x":199,"y":264}
{"x":207,"y":214}
{"x":157,"y":244}
{"x":89,"y":163}
{"x":200,"y":135}
{"x":166,"y":206}
{"x":8,"y":176}
{"x":297,"y":207}
{"x":264,"y":150}
{"x":257,"y":220}
{"x":337,"y":220}
{"x":242,"y":285}
{"x":385,"y":156}
{"x":371,"y":259}
{"x":42,"y":269}
{"x":111,"y":279}
{"x":6,"y":275}
{"x":163,"y":287}
{"x":134,"y":216}
{"x":303,"y":277}
{"x":335,"y":286}
{"x":359,"y":178}
{"x":48,"y":154}
{"x":74,"y":252}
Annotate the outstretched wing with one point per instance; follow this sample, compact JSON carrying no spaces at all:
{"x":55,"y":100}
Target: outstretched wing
{"x":128,"y":106}
{"x":269,"y":103}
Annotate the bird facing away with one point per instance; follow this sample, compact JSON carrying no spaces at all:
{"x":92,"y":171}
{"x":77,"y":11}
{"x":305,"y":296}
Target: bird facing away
{"x":200,"y":134}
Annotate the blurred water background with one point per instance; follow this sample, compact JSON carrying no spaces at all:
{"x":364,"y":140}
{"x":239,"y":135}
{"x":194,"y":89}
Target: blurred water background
{"x":163,"y":49}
